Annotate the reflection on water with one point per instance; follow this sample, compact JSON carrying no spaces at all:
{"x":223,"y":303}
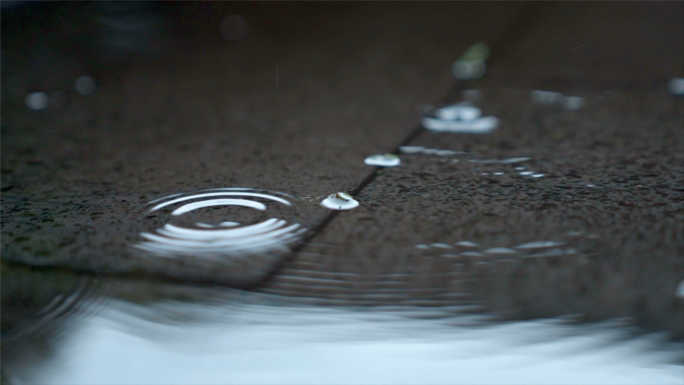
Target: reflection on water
{"x":173,"y":342}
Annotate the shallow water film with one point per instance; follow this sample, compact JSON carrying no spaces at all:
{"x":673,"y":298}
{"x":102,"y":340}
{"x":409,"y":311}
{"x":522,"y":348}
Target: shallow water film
{"x":254,"y":193}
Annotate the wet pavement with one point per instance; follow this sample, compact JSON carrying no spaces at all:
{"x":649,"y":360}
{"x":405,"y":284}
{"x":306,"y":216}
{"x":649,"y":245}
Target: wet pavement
{"x":164,"y":178}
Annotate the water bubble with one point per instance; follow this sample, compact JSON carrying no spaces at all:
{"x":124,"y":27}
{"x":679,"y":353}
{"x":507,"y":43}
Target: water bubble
{"x":458,"y":112}
{"x":262,"y":229}
{"x":383,"y":160}
{"x":411,"y":149}
{"x":676,"y":86}
{"x":500,"y":250}
{"x":441,"y":245}
{"x":466,"y":244}
{"x":84,"y":85}
{"x":481,"y":125}
{"x":538,"y":245}
{"x":37,"y":100}
{"x":339,"y":201}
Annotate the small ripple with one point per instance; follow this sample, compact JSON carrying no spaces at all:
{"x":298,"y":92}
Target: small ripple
{"x":224,"y":237}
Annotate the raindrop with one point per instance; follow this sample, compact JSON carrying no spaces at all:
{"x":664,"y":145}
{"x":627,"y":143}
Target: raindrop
{"x":526,"y":173}
{"x":498,"y":173}
{"x":538,"y":245}
{"x":440,"y":245}
{"x":481,"y":125}
{"x":458,"y":112}
{"x":339,"y":201}
{"x":472,"y":254}
{"x":84,"y":85}
{"x":37,"y":100}
{"x":264,"y":230}
{"x":383,"y":160}
{"x":500,"y":250}
{"x":676,"y":86}
{"x":411,"y":149}
{"x":537,"y":175}
{"x":471,"y":65}
{"x":466,"y":244}
{"x":680,"y":290}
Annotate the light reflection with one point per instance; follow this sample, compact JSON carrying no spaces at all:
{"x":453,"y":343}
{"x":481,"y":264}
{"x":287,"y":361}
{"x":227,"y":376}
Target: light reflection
{"x":253,"y":343}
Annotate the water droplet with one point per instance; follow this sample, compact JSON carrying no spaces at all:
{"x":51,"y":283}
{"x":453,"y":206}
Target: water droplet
{"x":84,"y":85}
{"x":481,"y":125}
{"x":383,"y":160}
{"x":472,"y":254}
{"x":466,"y":244}
{"x":500,"y":250}
{"x":538,"y":245}
{"x":680,"y":290}
{"x":411,"y":149}
{"x":440,"y":245}
{"x":526,"y":173}
{"x":458,"y":112}
{"x":339,"y":201}
{"x":498,"y":173}
{"x":517,"y":159}
{"x":537,"y":175}
{"x":264,"y":231}
{"x":676,"y":86}
{"x":36,"y":100}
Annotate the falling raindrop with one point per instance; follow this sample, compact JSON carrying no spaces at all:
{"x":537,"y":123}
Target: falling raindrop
{"x":339,"y":201}
{"x":472,"y":64}
{"x":676,"y":86}
{"x":84,"y":85}
{"x":383,"y":160}
{"x":37,"y":100}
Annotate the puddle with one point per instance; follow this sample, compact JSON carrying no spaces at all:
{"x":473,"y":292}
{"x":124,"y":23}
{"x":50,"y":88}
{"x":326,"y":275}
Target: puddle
{"x":34,"y":300}
{"x":222,"y":223}
{"x":383,"y":160}
{"x":340,"y":201}
{"x":253,"y":343}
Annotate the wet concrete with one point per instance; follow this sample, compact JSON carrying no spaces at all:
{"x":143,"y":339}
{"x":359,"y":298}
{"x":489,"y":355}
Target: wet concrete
{"x":296,"y":100}
{"x":292,"y":108}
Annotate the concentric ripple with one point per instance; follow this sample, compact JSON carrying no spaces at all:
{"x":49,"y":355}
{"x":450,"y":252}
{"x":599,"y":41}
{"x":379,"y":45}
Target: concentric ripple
{"x":222,"y":223}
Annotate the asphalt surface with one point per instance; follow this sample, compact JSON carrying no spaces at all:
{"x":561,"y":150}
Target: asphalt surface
{"x":297,"y":96}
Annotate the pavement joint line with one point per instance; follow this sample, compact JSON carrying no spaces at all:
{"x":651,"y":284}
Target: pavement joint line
{"x":525,"y":19}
